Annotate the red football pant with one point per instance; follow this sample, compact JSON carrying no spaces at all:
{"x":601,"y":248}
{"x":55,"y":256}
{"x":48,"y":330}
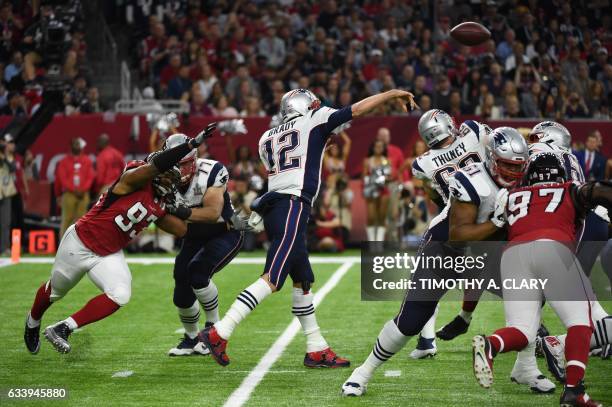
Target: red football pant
{"x":577,"y":344}
{"x":42,"y":301}
{"x":96,"y":309}
{"x":508,"y":339}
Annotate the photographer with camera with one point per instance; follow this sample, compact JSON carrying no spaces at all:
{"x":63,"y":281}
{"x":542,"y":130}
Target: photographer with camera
{"x":413,"y":216}
{"x":8,"y":189}
{"x":376,"y":176}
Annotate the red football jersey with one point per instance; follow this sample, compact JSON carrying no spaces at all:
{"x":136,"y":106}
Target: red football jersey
{"x":543,"y":211}
{"x":116,"y":219}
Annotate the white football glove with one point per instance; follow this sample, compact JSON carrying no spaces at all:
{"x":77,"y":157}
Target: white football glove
{"x":234,"y":126}
{"x":499,"y":215}
{"x":256,"y":222}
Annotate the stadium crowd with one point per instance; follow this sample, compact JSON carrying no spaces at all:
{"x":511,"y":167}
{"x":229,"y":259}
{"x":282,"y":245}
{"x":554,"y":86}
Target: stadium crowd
{"x":238,"y":58}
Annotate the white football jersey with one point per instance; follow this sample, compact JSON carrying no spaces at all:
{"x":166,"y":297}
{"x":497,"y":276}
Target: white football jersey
{"x":438,"y":165}
{"x":293,"y":152}
{"x":572,"y":166}
{"x":209,"y":173}
{"x":473,"y":184}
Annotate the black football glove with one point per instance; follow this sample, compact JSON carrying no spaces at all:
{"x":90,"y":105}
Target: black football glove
{"x":203,"y":135}
{"x":181,"y":212}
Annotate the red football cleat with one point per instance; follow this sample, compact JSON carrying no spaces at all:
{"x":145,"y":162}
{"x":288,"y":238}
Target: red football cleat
{"x":215,"y":344}
{"x":325,"y":358}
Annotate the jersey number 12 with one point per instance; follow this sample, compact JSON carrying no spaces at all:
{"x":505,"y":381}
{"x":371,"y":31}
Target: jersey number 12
{"x":286,"y":143}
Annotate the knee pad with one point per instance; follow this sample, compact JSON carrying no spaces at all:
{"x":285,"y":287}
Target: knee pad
{"x":120,"y":294}
{"x":414,"y":315}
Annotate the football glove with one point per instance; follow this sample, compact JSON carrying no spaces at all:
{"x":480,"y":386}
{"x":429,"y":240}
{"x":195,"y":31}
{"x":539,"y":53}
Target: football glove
{"x":203,"y":135}
{"x":239,"y":223}
{"x":256,"y":222}
{"x":499,"y":215}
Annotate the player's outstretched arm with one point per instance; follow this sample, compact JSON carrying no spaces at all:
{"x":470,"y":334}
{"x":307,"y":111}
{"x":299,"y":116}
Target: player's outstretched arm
{"x":463,"y":226}
{"x":136,"y":178}
{"x":364,"y":106}
{"x":172,"y":225}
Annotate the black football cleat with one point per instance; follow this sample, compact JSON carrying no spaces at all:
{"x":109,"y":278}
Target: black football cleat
{"x":576,"y":396}
{"x":58,"y":336}
{"x":453,"y":329}
{"x":189,"y":347}
{"x":31,"y":337}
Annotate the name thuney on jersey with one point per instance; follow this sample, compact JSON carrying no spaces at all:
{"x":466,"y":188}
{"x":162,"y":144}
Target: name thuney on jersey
{"x":451,"y":155}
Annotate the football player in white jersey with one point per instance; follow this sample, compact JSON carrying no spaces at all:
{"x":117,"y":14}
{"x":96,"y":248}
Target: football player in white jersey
{"x":214,"y":237}
{"x":451,"y":148}
{"x":468,"y":216}
{"x":293,"y":154}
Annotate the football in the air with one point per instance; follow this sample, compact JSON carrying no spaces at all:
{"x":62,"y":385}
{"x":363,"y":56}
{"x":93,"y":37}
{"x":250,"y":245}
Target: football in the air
{"x":470,"y":33}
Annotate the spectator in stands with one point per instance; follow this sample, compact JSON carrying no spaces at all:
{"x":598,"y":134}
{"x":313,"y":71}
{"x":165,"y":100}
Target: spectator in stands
{"x":198,"y":105}
{"x":272,"y":47}
{"x":109,"y":164}
{"x":74,"y":177}
{"x":223,"y":109}
{"x":8,"y":190}
{"x":574,"y":107}
{"x":15,"y":106}
{"x":376,"y":175}
{"x":252,"y":108}
{"x":30,"y":169}
{"x":206,"y":81}
{"x":92,"y":102}
{"x":180,"y":85}
{"x":15,"y":161}
{"x":14,"y":68}
{"x":487,"y":108}
{"x":592,"y":161}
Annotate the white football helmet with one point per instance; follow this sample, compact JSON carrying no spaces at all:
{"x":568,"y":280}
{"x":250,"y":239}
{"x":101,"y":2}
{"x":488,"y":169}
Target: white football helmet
{"x":507,"y":155}
{"x":187,"y":164}
{"x":298,"y":102}
{"x":436,"y":125}
{"x":551,"y":133}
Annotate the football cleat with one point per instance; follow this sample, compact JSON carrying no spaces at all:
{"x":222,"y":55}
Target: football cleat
{"x":58,"y":336}
{"x":537,"y":383}
{"x":215,"y":345}
{"x":453,"y":329}
{"x":542,"y":332}
{"x":31,"y":337}
{"x":352,"y":389}
{"x":426,"y":348}
{"x":325,"y":358}
{"x":482,"y":360}
{"x":554,"y":354}
{"x":188,"y":347}
{"x":356,"y":385}
{"x":576,"y":396}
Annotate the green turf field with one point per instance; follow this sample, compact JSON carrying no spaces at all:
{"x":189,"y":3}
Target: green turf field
{"x":137,"y":338}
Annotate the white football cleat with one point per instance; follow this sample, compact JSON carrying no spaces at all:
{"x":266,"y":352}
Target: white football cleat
{"x":554,"y":354}
{"x":482,"y":361}
{"x":188,"y":347}
{"x":426,"y":348}
{"x":536,"y":381}
{"x":356,"y":385}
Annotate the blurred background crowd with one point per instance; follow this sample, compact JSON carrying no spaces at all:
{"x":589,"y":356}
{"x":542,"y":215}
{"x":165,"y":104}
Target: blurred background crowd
{"x":547,"y":59}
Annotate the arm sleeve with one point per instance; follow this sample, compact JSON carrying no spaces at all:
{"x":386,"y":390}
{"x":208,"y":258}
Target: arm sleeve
{"x":462,"y":189}
{"x":218,"y":176}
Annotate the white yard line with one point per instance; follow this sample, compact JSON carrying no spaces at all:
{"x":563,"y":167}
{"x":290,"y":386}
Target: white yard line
{"x":170,"y":260}
{"x":243,"y":392}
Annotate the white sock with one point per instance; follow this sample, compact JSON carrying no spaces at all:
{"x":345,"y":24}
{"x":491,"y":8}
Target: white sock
{"x":526,"y":359}
{"x":246,"y":302}
{"x":371,"y":232}
{"x":71,"y":323}
{"x":32,"y":323}
{"x":189,"y":318}
{"x":209,"y":298}
{"x":466,"y":315}
{"x":380,"y":233}
{"x":429,"y":330}
{"x":305,"y":313}
{"x":602,"y":326}
{"x":390,"y":341}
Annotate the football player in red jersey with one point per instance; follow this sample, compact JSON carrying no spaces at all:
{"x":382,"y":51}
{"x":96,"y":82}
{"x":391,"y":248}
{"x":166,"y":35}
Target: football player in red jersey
{"x":542,"y":219}
{"x":94,"y":244}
